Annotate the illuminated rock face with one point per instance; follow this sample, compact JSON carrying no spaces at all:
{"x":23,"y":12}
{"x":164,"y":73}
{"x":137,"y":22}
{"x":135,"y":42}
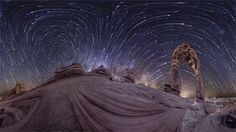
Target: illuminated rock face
{"x":19,"y":88}
{"x":128,"y":76}
{"x":74,"y":69}
{"x":95,"y":103}
{"x":169,"y":89}
{"x":101,"y":70}
{"x":186,"y":53}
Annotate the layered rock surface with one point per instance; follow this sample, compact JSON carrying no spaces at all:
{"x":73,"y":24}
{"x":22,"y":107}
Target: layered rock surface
{"x":92,"y":102}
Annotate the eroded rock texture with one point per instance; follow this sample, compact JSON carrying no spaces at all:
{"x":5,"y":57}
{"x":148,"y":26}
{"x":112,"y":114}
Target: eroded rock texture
{"x":185,"y":53}
{"x":74,"y":69}
{"x":128,"y":76}
{"x":95,"y":103}
{"x":101,"y":70}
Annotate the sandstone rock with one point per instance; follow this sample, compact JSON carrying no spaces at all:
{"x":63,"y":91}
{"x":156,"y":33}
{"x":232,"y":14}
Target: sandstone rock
{"x":74,"y":69}
{"x":20,"y":87}
{"x":221,"y":121}
{"x":94,"y":103}
{"x":101,"y":70}
{"x":128,"y":76}
{"x":185,"y":52}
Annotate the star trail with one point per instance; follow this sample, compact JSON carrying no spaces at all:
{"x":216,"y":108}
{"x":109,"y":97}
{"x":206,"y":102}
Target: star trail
{"x":38,"y":37}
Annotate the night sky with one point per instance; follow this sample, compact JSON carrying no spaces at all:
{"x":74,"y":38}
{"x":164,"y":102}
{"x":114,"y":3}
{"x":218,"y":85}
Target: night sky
{"x":38,"y":37}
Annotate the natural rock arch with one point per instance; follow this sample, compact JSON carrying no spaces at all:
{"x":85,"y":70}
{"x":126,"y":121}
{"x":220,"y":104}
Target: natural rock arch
{"x":185,"y":52}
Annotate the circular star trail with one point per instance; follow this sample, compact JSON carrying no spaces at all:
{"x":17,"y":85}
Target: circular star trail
{"x":39,"y":37}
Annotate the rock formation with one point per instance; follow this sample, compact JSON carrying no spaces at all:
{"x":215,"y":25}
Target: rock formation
{"x":19,"y":88}
{"x":94,"y":103}
{"x":79,"y":101}
{"x":185,"y":53}
{"x":101,"y":70}
{"x":128,"y":76}
{"x":74,"y":69}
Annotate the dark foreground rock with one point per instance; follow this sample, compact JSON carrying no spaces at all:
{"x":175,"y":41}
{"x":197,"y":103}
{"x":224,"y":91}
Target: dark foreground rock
{"x":94,"y":103}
